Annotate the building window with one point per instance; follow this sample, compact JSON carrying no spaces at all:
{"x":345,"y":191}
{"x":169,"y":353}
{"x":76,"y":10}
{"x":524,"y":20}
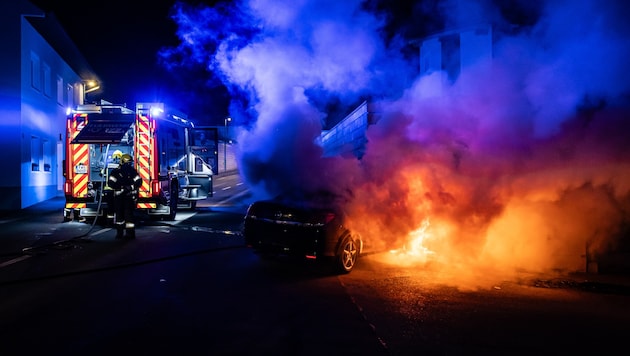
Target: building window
{"x":59,"y":90}
{"x":70,"y":96}
{"x":47,"y":80}
{"x":36,"y":153}
{"x":47,"y":157}
{"x":36,"y":80}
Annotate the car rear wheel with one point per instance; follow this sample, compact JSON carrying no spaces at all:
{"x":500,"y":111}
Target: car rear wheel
{"x":347,"y":256}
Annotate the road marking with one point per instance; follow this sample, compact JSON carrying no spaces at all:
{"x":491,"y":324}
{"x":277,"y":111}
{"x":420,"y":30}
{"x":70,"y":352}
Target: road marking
{"x":102,"y":231}
{"x":226,"y":188}
{"x":8,"y":221}
{"x":211,"y":230}
{"x":15,"y":260}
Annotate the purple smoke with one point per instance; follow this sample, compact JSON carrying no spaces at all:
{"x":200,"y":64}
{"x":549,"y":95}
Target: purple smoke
{"x":540,"y":128}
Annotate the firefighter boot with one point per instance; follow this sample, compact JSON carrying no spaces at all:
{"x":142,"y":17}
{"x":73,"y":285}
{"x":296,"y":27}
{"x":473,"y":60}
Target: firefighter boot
{"x":130,"y":230}
{"x":119,"y":232}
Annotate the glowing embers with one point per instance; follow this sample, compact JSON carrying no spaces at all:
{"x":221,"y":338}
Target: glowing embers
{"x":415,"y":247}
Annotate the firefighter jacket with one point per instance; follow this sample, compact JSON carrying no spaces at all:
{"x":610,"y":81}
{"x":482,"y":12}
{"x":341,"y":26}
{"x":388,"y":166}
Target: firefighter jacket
{"x":125,"y":181}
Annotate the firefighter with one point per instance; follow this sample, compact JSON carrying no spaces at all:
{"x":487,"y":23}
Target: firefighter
{"x":125,"y":181}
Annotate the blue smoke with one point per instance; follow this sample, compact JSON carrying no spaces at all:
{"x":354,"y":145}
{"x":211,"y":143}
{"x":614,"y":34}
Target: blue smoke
{"x":279,"y":58}
{"x":286,"y":63}
{"x":546,"y":116}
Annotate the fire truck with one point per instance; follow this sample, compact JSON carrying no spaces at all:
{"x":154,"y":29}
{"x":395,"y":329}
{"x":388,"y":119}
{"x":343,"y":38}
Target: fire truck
{"x":174,"y":159}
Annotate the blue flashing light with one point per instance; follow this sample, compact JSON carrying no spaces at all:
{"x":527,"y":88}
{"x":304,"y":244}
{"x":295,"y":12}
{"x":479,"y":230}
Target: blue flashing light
{"x":155,"y":111}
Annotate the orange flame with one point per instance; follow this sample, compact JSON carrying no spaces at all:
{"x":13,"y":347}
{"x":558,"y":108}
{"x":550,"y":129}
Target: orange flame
{"x":415,"y":247}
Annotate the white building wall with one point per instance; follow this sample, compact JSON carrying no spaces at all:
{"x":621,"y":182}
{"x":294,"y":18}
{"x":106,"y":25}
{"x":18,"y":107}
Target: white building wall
{"x":475,"y":45}
{"x":36,"y":86}
{"x":43,"y":108}
{"x":227,"y":155}
{"x":430,"y":56}
{"x":10,"y":133}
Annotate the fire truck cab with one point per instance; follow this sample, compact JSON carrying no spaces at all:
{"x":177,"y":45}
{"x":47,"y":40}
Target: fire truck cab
{"x":174,"y":159}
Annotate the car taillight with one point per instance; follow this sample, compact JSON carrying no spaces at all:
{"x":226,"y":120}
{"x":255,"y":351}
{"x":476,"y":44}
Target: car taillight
{"x":320,"y":219}
{"x":328,"y":217}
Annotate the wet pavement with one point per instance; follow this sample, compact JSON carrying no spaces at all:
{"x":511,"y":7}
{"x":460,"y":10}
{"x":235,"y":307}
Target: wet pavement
{"x":15,"y":245}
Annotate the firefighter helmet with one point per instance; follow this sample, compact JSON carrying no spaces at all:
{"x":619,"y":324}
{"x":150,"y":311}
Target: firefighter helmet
{"x":126,"y":158}
{"x":117,"y":154}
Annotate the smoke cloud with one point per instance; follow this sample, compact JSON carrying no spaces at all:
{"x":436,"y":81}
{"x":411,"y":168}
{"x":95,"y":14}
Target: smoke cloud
{"x":520,"y":164}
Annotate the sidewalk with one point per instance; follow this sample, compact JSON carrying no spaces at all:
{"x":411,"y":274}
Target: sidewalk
{"x":56,"y":203}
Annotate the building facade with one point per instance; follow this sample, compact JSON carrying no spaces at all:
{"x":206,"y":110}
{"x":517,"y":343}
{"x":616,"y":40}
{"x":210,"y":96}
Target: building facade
{"x":42,"y":75}
{"x":449,"y":52}
{"x":348,"y":137}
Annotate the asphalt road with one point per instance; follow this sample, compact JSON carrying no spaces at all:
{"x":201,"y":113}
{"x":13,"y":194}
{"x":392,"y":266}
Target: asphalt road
{"x":188,"y":286}
{"x":192,"y":287}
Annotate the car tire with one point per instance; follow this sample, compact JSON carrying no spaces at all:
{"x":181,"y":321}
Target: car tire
{"x":347,"y":255}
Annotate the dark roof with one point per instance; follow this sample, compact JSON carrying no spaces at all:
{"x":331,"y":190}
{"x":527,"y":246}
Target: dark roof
{"x":52,"y":31}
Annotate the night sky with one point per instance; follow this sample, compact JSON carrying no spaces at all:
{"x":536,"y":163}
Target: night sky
{"x":121,"y":42}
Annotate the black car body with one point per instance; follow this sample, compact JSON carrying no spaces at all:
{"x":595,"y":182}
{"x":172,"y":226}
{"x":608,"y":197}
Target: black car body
{"x":307,"y":227}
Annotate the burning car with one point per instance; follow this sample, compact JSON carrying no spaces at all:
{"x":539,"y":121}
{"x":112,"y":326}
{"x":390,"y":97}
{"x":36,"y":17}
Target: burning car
{"x":303,"y":226}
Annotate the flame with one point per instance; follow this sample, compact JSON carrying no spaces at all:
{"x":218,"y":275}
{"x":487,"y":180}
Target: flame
{"x":415,"y":247}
